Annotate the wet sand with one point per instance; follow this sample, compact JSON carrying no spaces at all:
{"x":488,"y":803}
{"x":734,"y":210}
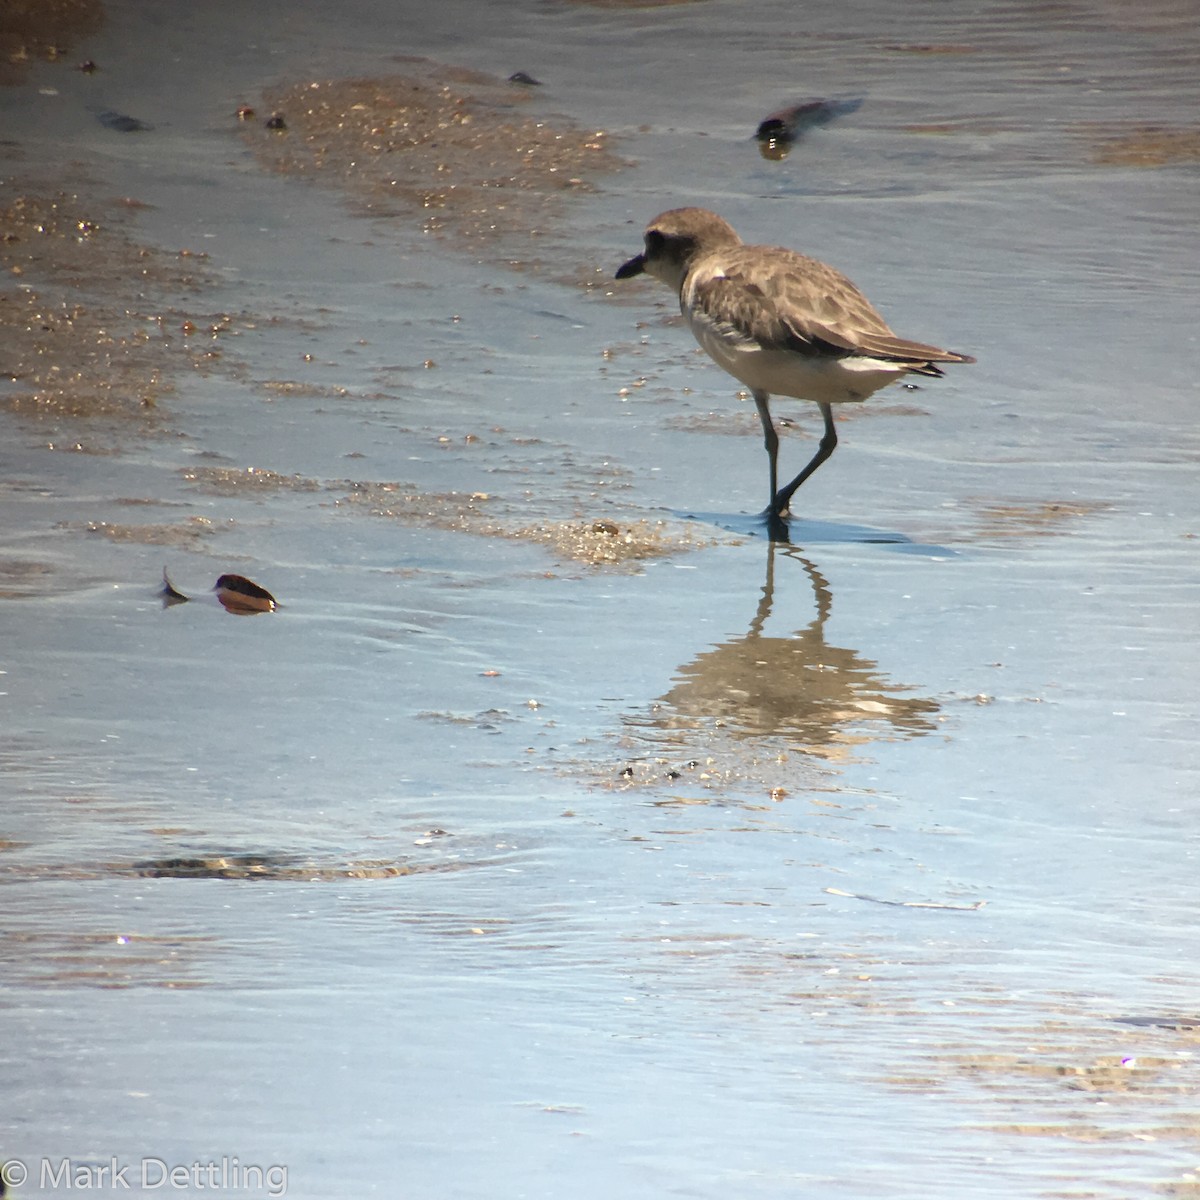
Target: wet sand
{"x":558,"y":834}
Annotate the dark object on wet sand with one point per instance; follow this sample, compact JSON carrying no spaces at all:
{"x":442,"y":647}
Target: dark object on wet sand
{"x":1163,"y":1021}
{"x":169,"y":594}
{"x":525,"y":78}
{"x":233,"y":866}
{"x":781,"y":323}
{"x":240,"y":595}
{"x":121,"y":122}
{"x":276,"y":121}
{"x":87,"y":67}
{"x":778,"y":131}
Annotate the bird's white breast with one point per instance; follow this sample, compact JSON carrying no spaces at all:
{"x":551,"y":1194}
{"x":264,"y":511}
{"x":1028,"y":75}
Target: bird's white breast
{"x":820,"y":379}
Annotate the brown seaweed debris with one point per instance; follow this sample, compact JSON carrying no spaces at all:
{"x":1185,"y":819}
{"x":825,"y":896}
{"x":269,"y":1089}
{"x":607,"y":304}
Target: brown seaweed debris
{"x":243,"y":597}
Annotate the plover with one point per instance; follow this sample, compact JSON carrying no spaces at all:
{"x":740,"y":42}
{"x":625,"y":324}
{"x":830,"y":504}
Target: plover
{"x":779,"y":322}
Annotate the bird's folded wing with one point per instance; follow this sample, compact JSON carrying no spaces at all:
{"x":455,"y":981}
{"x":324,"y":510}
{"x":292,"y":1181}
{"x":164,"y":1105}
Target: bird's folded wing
{"x":740,"y":310}
{"x":898,"y":349}
{"x":803,"y":306}
{"x":806,"y":311}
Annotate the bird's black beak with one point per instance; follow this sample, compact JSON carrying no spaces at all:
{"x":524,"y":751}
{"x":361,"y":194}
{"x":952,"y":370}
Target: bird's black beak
{"x":635,"y":266}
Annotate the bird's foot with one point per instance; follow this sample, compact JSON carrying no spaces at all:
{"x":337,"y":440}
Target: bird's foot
{"x":780,"y":506}
{"x":776,"y":523}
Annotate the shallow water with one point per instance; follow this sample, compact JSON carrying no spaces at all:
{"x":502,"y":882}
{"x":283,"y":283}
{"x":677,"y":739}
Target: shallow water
{"x":514,"y":856}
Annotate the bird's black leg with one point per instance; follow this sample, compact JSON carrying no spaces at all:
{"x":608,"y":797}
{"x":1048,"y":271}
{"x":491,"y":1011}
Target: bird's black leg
{"x":782,"y":498}
{"x":770,"y":440}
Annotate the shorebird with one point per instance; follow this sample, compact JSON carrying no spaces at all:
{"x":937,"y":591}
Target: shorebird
{"x":779,"y":322}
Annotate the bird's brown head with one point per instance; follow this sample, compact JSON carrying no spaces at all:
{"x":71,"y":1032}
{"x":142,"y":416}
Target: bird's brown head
{"x":674,"y":239}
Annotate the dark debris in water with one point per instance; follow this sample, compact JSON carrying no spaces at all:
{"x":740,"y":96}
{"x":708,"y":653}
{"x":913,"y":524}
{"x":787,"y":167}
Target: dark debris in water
{"x":276,"y":866}
{"x":267,"y":866}
{"x":121,"y":122}
{"x":777,"y":133}
{"x":1163,"y":1021}
{"x":488,"y":721}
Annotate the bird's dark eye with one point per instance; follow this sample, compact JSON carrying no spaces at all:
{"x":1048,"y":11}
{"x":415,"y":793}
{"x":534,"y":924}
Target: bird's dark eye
{"x":654,"y":242}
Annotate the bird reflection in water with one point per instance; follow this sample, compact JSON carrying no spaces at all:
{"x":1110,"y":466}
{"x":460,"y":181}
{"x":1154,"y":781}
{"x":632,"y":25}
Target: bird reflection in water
{"x":814,"y":696}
